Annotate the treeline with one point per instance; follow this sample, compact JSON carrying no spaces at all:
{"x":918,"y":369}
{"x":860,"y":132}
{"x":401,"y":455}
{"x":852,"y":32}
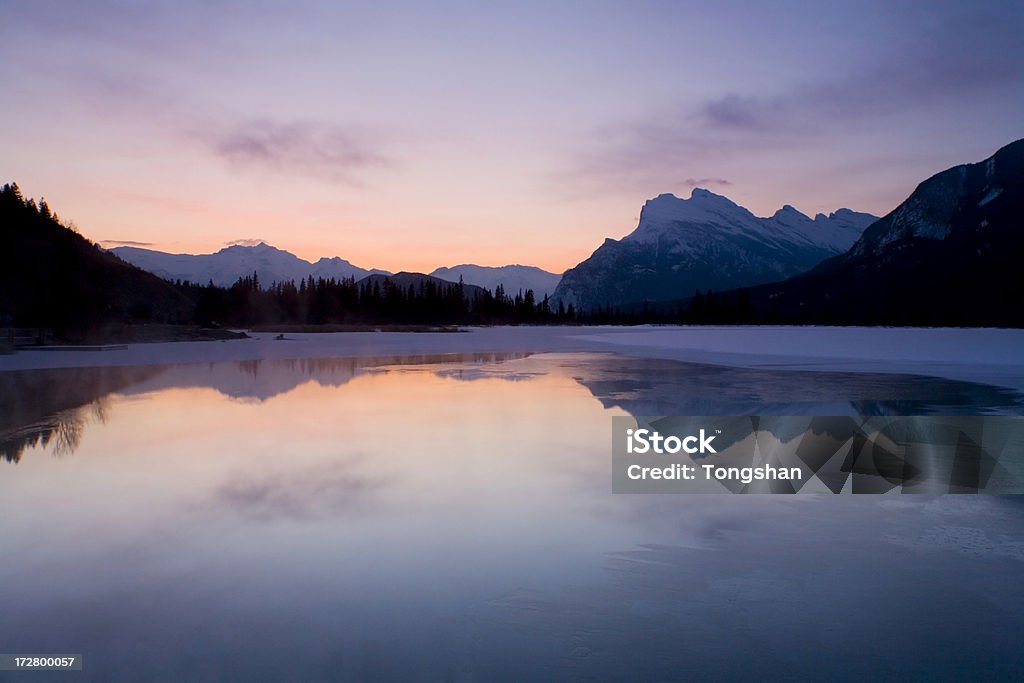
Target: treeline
{"x":380,"y":300}
{"x":52,"y":277}
{"x":705,"y":307}
{"x":374,"y":300}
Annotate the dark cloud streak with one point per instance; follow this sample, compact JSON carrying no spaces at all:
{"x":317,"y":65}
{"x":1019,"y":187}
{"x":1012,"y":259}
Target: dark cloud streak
{"x":705,"y":182}
{"x":944,"y":61}
{"x":125,"y":243}
{"x":327,"y":151}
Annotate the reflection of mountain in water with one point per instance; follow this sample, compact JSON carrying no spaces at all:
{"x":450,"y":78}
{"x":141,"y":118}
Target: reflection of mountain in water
{"x":643,"y":386}
{"x":261,"y":380}
{"x":43,"y":407}
{"x":39,"y":407}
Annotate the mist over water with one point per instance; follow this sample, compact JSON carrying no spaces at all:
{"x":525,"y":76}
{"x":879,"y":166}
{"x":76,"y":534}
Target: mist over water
{"x":451,"y":517}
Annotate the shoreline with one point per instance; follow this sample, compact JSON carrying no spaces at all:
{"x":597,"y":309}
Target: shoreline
{"x":997,"y":355}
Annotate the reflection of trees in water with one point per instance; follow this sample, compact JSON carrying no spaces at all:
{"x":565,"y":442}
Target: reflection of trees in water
{"x":52,"y":408}
{"x":70,"y":425}
{"x":67,"y":433}
{"x":61,"y":433}
{"x":250,"y":367}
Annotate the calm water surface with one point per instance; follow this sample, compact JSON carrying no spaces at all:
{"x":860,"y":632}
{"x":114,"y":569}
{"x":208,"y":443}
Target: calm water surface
{"x":450,"y":518}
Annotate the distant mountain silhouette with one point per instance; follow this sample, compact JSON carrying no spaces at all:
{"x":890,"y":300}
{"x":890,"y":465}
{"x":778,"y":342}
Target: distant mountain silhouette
{"x":513,"y":278}
{"x":950,"y":254}
{"x":406,"y":280}
{"x":50,"y":276}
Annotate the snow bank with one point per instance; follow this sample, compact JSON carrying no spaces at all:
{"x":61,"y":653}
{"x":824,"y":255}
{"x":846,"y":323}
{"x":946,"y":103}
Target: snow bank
{"x":991,"y":356}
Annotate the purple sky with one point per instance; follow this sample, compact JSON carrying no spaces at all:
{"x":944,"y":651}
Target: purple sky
{"x":415,"y":135}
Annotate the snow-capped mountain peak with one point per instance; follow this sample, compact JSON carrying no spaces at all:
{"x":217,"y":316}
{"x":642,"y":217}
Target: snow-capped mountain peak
{"x":513,"y":278}
{"x":225,"y":266}
{"x":788,"y":210}
{"x":271,"y":265}
{"x":704,"y":207}
{"x":706,"y":241}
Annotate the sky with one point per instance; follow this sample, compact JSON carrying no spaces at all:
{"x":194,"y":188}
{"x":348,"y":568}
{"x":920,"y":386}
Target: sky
{"x":408,"y":136}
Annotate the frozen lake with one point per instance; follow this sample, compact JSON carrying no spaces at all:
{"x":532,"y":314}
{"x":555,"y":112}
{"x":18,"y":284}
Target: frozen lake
{"x":447,"y":515}
{"x":991,"y":356}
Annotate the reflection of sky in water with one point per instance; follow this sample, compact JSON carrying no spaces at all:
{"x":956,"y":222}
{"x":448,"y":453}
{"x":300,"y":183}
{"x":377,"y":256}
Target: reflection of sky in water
{"x":413,"y":518}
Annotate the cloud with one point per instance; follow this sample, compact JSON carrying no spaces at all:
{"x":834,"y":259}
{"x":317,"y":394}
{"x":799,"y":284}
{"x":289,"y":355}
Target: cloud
{"x":323,"y":490}
{"x":107,"y":78}
{"x":704,"y":182}
{"x":734,"y":111}
{"x":946,"y":65}
{"x":125,"y":243}
{"x":324,"y":151}
{"x":246,"y":242}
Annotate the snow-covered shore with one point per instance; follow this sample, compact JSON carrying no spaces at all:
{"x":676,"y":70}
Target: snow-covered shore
{"x":990,"y":356}
{"x":987,"y":355}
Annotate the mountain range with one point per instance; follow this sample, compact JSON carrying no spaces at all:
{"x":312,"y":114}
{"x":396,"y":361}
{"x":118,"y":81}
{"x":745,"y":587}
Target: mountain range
{"x":224,"y":267}
{"x":272,"y":265}
{"x":514,"y":278}
{"x":679,"y":246}
{"x":705,"y":242}
{"x":948,"y":255}
{"x":417,"y":281}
